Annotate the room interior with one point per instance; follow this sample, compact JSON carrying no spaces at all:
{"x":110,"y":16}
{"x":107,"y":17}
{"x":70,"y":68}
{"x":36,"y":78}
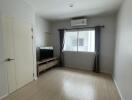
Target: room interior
{"x":65,"y":50}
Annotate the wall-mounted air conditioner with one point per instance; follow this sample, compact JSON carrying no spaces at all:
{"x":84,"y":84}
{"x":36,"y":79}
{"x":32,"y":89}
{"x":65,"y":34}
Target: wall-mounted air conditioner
{"x":79,"y":22}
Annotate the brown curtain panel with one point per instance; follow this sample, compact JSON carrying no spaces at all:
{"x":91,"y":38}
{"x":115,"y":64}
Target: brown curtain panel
{"x":61,"y":33}
{"x":97,"y":49}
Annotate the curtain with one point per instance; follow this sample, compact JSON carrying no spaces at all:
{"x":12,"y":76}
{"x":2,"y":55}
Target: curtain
{"x":61,"y":33}
{"x":97,"y":49}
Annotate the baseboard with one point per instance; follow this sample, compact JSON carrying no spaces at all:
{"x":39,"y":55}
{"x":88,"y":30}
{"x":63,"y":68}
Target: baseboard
{"x":88,"y":69}
{"x":35,"y":78}
{"x":3,"y":96}
{"x":106,"y":72}
{"x":118,"y":89}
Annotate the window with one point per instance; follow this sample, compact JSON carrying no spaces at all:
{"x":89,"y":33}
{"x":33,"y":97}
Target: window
{"x":70,"y":41}
{"x":81,"y":41}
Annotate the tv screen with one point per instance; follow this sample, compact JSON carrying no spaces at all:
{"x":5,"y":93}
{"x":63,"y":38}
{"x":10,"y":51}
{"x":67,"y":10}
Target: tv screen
{"x":45,"y":53}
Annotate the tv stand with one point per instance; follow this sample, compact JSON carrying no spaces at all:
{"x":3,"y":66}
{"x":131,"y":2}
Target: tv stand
{"x":46,"y":64}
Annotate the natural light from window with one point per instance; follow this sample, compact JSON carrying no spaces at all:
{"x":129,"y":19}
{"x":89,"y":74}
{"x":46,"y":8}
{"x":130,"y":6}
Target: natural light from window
{"x":81,"y":40}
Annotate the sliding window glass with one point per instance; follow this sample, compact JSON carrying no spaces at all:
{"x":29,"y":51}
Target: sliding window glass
{"x":70,"y":41}
{"x":80,"y":40}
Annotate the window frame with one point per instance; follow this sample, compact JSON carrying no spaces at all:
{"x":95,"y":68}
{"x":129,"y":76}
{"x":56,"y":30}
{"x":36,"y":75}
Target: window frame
{"x":77,"y":30}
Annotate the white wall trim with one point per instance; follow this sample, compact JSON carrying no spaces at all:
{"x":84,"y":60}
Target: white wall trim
{"x":3,"y":96}
{"x":35,"y":78}
{"x":34,"y":55}
{"x":118,"y":89}
{"x":106,"y":72}
{"x":88,"y":69}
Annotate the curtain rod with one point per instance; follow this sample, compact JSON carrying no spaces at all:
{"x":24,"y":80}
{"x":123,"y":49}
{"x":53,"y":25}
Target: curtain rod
{"x":83,"y":27}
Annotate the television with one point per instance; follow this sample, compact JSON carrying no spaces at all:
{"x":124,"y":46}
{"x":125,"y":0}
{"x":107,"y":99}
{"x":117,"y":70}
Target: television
{"x":44,"y":53}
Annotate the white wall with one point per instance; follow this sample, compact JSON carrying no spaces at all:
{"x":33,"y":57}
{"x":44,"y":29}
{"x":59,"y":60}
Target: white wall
{"x":42,"y":31}
{"x":85,"y":61}
{"x":22,"y":11}
{"x":42,"y":36}
{"x":18,"y":9}
{"x":123,"y":58}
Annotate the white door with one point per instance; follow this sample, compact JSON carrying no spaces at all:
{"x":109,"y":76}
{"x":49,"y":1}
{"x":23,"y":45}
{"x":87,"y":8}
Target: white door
{"x":7,"y":29}
{"x":18,"y":52}
{"x":3,"y":72}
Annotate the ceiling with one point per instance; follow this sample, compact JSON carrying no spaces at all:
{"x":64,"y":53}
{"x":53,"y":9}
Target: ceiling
{"x":60,"y":9}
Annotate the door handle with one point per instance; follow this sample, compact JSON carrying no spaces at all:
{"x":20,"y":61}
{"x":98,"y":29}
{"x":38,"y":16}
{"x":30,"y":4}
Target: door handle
{"x":9,"y":59}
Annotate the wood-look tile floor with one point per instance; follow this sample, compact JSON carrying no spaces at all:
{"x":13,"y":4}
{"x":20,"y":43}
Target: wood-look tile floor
{"x":68,"y":84}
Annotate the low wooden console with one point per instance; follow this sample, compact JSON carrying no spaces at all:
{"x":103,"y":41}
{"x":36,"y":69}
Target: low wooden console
{"x":46,"y":64}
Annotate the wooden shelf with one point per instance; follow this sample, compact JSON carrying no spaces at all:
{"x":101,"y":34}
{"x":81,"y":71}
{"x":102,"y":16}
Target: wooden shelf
{"x":46,"y":64}
{"x":46,"y":60}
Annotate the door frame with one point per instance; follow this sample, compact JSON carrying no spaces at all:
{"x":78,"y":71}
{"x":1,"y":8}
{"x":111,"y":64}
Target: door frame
{"x":34,"y":54}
